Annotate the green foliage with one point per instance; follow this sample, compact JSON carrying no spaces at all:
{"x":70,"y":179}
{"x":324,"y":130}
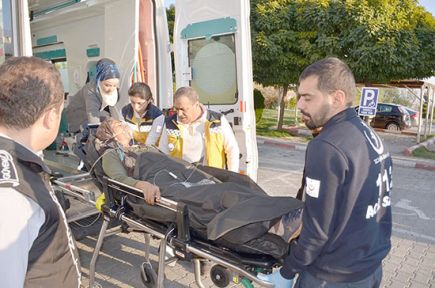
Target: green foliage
{"x":394,"y":96}
{"x":258,"y":104}
{"x":267,"y":126}
{"x":170,"y":14}
{"x":292,"y":103}
{"x":280,"y":46}
{"x":423,"y":152}
{"x":424,"y":111}
{"x":381,"y":40}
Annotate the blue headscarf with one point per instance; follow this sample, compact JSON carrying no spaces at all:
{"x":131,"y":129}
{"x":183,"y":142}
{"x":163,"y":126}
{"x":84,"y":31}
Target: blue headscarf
{"x":106,"y":69}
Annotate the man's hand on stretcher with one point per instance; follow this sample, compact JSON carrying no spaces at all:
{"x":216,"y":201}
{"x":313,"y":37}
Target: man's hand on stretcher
{"x":151,"y":192}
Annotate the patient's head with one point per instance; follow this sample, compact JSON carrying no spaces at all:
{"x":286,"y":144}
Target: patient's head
{"x":113,"y":130}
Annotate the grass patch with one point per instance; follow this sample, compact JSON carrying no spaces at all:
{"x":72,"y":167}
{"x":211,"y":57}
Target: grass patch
{"x":422,"y":152}
{"x":267,"y":125}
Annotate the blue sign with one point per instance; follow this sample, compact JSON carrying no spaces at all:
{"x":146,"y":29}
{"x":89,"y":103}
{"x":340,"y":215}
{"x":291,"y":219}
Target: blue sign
{"x":369,"y":101}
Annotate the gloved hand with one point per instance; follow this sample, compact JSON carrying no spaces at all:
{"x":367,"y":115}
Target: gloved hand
{"x":276,"y":279}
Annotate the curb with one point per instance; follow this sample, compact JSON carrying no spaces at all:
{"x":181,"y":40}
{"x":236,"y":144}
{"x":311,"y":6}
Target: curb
{"x":411,"y":163}
{"x":281,"y":143}
{"x":397,"y":160}
{"x":411,"y":133}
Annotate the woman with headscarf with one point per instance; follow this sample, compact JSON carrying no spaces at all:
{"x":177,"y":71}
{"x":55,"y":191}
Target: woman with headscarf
{"x":97,"y":99}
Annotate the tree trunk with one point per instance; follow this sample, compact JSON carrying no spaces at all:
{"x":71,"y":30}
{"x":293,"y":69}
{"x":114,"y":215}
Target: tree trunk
{"x":282,"y":107}
{"x":296,"y":114}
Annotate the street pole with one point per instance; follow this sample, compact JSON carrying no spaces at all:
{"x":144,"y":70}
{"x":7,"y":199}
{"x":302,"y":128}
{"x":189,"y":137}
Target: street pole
{"x":420,"y":116}
{"x":431,"y":109}
{"x":428,"y":107}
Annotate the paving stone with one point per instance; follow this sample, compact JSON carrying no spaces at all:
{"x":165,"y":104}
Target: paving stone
{"x":409,"y":269}
{"x":397,"y":284}
{"x":403,"y":277}
{"x":417,"y":284}
{"x":412,"y":261}
{"x":421,"y":278}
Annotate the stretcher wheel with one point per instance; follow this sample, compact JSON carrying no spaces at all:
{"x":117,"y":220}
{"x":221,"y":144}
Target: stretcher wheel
{"x":148,"y":275}
{"x":220,"y":276}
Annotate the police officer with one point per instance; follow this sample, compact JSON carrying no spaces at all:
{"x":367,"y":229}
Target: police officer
{"x":196,"y":134}
{"x":346,"y":224}
{"x":36,"y":246}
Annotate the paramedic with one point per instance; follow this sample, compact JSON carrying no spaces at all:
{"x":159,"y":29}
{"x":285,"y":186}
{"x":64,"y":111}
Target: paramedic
{"x":196,"y":134}
{"x":36,"y":245}
{"x":142,"y":116}
{"x":346,"y":223}
{"x":96,"y":100}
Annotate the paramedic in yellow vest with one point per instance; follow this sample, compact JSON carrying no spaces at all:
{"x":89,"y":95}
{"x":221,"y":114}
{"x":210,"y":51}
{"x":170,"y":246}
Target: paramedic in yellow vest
{"x":143,"y":118}
{"x":199,"y":135}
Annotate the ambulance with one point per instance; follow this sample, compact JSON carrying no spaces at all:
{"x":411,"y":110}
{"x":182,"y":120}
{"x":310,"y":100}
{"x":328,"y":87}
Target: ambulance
{"x":211,"y":51}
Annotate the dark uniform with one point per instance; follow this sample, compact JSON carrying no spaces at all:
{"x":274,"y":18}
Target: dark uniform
{"x":347,"y":216}
{"x":53,"y":258}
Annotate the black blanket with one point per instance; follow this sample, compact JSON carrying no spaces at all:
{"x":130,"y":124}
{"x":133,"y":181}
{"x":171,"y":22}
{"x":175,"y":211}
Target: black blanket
{"x":237,"y":210}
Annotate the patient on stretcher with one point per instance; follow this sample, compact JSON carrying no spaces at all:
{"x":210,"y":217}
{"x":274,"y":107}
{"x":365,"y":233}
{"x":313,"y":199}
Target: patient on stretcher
{"x":222,"y":204}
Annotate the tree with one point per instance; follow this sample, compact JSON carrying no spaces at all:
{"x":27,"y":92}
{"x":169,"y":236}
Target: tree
{"x":381,"y":40}
{"x":170,"y":14}
{"x":279,"y":46}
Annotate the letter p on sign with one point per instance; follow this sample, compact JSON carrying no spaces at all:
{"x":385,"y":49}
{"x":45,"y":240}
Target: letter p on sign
{"x":369,"y":101}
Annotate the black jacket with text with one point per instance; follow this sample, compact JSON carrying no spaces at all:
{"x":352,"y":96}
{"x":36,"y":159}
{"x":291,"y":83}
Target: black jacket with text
{"x":347,"y":215}
{"x":53,"y":258}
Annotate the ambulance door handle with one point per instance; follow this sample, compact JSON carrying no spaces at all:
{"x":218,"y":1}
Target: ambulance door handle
{"x":228,"y":111}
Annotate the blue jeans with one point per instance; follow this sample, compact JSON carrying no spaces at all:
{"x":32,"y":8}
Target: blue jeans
{"x":306,"y":280}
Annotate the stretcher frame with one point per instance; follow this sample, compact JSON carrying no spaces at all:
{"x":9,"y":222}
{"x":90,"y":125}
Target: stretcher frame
{"x":186,"y":249}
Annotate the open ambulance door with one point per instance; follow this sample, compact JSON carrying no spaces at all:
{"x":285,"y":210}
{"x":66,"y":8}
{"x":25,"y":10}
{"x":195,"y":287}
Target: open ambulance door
{"x":132,"y":33}
{"x":212,"y":50}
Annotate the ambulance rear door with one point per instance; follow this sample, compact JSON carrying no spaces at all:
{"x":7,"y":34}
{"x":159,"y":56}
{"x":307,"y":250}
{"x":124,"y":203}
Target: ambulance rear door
{"x":212,"y":51}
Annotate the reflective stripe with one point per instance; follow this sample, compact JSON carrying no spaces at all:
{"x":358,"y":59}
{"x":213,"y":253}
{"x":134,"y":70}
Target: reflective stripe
{"x":173,"y":132}
{"x":144,"y":128}
{"x":216,"y":129}
{"x":72,"y":247}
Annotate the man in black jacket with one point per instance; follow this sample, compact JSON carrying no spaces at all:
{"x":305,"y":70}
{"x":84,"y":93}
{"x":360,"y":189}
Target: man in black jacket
{"x":347,"y":215}
{"x":36,"y":246}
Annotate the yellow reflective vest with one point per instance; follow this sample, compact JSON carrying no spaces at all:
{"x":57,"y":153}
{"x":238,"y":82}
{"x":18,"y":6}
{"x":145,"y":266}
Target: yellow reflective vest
{"x":214,"y":147}
{"x":141,"y":127}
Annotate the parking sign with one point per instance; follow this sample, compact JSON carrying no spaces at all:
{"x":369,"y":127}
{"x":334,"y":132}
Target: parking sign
{"x":369,"y":101}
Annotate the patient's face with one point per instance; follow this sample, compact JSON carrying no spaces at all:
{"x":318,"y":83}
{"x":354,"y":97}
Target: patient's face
{"x":122,"y":134}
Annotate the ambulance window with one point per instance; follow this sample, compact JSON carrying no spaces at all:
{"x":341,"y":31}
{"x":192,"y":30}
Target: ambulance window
{"x":62,"y":67}
{"x":213,"y":63}
{"x":6,"y":43}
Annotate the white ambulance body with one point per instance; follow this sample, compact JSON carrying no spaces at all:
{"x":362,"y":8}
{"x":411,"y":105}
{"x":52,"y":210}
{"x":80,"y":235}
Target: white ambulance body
{"x":212,"y":50}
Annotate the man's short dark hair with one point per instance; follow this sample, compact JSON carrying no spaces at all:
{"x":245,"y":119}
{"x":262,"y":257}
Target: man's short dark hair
{"x":28,"y":86}
{"x":333,"y":74}
{"x":141,"y":90}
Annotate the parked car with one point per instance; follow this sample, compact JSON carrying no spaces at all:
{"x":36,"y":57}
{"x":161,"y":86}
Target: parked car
{"x":413,"y":115}
{"x":390,"y":116}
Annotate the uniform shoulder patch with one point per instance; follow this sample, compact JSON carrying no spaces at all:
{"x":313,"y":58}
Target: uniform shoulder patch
{"x":8,"y":172}
{"x":312,"y":187}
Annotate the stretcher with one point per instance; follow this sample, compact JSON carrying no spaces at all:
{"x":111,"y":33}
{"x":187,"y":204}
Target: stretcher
{"x":240,"y":265}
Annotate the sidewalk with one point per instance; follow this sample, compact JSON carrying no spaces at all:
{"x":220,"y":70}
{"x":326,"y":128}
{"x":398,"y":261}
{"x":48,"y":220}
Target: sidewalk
{"x":396,"y":144}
